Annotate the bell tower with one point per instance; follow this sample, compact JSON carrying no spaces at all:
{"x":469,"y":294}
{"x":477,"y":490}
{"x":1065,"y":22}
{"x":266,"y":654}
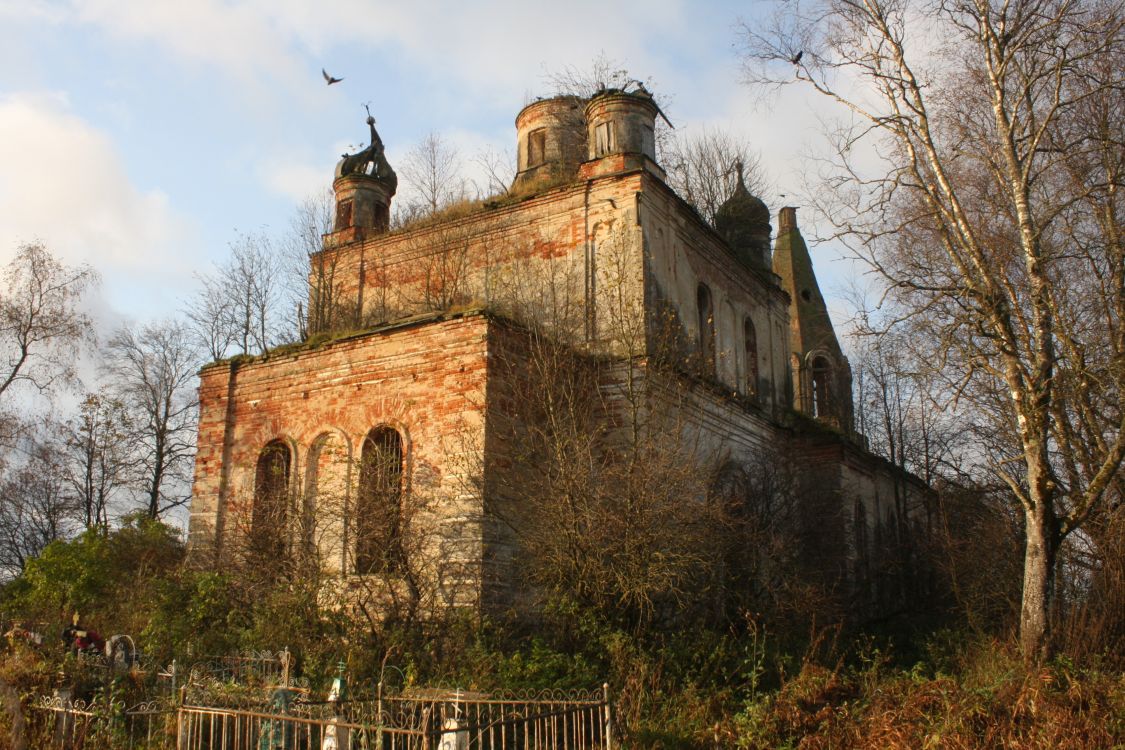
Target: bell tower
{"x":821,"y":375}
{"x":364,"y":186}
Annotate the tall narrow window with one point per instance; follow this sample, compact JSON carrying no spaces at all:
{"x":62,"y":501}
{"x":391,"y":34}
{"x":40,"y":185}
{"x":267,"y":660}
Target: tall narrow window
{"x":343,"y":214}
{"x":604,"y":141}
{"x":706,"y":319}
{"x":741,"y":551}
{"x":750,"y":341}
{"x":536,"y":147}
{"x":326,"y":500}
{"x":271,"y":501}
{"x":378,"y":511}
{"x":821,"y":387}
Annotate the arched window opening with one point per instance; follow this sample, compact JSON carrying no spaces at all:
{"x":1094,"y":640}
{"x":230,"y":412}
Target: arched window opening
{"x":326,"y":500}
{"x":740,"y":544}
{"x":706,"y":311}
{"x":378,"y":511}
{"x":750,"y":339}
{"x":271,"y":500}
{"x":821,"y":387}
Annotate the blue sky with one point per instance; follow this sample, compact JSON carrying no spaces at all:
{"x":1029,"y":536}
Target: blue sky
{"x":142,"y":136}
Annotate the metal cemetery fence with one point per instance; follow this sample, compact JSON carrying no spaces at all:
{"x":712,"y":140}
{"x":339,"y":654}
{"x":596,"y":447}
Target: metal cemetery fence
{"x":254,"y":667}
{"x":203,"y":728}
{"x":422,"y":720}
{"x":430,"y":720}
{"x":549,"y":720}
{"x":60,"y":723}
{"x":63,"y":724}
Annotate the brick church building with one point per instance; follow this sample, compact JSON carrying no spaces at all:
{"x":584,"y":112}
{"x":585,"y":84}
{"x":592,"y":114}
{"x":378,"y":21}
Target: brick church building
{"x":396,"y":418}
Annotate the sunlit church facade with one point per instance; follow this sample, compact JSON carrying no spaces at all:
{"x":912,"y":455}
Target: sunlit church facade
{"x":326,"y":442}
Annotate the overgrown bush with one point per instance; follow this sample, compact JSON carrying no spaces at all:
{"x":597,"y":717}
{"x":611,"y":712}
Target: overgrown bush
{"x":674,"y":685}
{"x":110,"y":579}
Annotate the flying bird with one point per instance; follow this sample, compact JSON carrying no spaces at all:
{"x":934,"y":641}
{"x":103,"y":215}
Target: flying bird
{"x":329,"y":78}
{"x":797,"y":57}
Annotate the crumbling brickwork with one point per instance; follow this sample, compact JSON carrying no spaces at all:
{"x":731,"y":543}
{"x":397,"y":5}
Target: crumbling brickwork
{"x":416,"y":407}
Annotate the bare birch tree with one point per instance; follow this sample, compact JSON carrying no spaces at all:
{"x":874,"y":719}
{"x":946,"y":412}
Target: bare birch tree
{"x":498,"y":169}
{"x":972,"y":223}
{"x":238,"y":304}
{"x":35,"y":506}
{"x":40,"y":318}
{"x":96,"y":447}
{"x":151,"y":370}
{"x":312,"y":286}
{"x":433,"y":172}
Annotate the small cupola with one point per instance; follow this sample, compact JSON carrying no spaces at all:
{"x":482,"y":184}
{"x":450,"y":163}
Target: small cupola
{"x":744,"y":222}
{"x":550,"y":142}
{"x":364,"y":186}
{"x":621,"y":131}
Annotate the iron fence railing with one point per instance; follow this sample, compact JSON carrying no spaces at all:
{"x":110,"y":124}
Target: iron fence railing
{"x":416,"y":719}
{"x":547,"y":720}
{"x":254,"y":667}
{"x":61,"y":724}
{"x":205,"y":728}
{"x":430,"y":720}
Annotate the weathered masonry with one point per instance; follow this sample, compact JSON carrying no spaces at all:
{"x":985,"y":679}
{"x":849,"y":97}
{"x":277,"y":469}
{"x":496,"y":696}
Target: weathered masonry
{"x":352,"y":444}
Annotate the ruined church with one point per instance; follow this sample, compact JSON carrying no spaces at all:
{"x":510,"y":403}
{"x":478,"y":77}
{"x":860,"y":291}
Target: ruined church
{"x":418,"y":334}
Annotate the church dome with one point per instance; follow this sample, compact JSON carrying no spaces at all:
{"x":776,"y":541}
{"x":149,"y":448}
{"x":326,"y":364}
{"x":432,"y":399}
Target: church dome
{"x":744,"y":222}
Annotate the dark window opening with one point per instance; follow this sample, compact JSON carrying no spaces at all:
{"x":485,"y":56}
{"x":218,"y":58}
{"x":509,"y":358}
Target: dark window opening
{"x":536,"y":147}
{"x":806,"y":295}
{"x":750,"y":337}
{"x":706,"y":320}
{"x":271,"y":501}
{"x":343,"y":214}
{"x":821,"y":387}
{"x":378,"y":512}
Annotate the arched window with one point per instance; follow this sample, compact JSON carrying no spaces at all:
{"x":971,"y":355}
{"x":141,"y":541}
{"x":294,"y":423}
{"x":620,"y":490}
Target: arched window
{"x":750,"y":341}
{"x":821,"y":387}
{"x":706,"y":311}
{"x":271,"y":500}
{"x":740,"y":549}
{"x":378,"y":511}
{"x":326,"y":499}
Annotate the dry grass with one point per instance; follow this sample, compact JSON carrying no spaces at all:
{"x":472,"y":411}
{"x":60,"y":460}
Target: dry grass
{"x":993,"y":703}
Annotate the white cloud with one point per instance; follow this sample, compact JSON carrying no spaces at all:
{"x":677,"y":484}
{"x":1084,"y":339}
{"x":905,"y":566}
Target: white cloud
{"x":239,"y":38}
{"x":63,"y":182}
{"x":38,"y":10}
{"x":296,"y":180}
{"x":457,"y":65}
{"x":509,"y":42}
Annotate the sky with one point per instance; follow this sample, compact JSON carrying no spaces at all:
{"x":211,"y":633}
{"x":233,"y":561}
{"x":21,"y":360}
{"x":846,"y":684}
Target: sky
{"x":143,"y":136}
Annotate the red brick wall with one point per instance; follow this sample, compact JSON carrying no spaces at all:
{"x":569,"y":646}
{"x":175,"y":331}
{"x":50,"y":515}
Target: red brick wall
{"x":426,"y":379}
